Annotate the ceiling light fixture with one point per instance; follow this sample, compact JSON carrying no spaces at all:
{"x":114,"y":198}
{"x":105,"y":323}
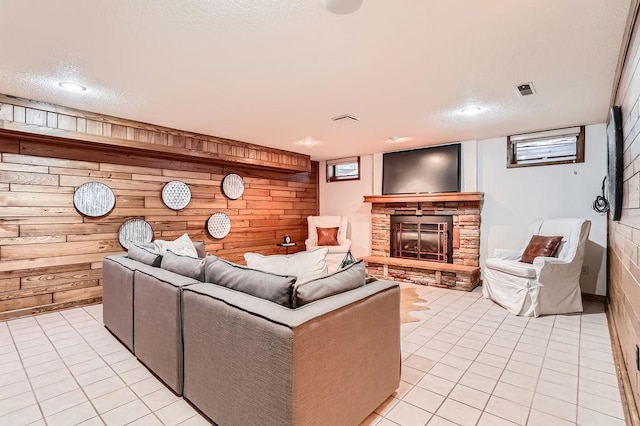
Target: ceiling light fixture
{"x":342,"y":7}
{"x":307,"y":141}
{"x":471,"y":110}
{"x":72,"y":87}
{"x":393,"y":139}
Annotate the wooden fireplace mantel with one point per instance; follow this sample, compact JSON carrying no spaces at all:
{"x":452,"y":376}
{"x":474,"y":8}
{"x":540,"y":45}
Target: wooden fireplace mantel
{"x":425,"y":198}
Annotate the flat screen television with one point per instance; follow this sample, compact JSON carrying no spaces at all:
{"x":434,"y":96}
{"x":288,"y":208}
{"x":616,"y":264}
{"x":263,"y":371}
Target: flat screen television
{"x":419,"y":171}
{"x":614,"y":162}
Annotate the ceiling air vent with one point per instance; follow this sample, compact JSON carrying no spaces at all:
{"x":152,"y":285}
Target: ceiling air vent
{"x":525,"y":89}
{"x":346,"y":118}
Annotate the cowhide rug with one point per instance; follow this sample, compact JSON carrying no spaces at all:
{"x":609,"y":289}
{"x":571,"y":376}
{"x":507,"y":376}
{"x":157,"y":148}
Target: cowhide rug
{"x":410,"y":301}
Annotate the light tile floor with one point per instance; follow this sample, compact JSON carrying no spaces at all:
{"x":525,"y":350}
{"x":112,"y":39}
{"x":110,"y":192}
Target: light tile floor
{"x":466,"y":362}
{"x":469,"y":362}
{"x":65,"y":368}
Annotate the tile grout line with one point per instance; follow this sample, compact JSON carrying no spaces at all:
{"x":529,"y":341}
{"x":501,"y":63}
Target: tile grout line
{"x":153,"y":412}
{"x":474,"y":360}
{"x":25,"y":370}
{"x":115,"y":372}
{"x":68,"y":369}
{"x":502,"y":322}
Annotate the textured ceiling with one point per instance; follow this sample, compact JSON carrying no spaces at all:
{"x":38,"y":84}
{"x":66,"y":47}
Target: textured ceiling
{"x":274,"y":72}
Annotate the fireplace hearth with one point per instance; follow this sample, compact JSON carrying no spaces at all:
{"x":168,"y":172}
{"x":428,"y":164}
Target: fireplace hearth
{"x":422,"y":238}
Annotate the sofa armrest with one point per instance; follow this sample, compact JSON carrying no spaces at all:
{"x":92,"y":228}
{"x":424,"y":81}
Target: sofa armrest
{"x":345,"y":243}
{"x":310,"y":244}
{"x":507,"y":254}
{"x":542,"y":261}
{"x":556,"y":271}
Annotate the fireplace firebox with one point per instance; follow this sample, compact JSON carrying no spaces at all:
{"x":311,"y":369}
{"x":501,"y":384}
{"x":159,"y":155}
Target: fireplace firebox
{"x":422,"y":238}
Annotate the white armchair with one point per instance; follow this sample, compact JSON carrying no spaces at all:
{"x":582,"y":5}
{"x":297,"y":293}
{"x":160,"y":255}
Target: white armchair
{"x":548,"y":286}
{"x":336,"y":253}
{"x":339,"y":222}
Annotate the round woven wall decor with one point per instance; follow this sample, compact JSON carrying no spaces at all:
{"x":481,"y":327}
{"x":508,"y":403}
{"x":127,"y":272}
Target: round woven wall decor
{"x":94,"y":199}
{"x":176,"y":195}
{"x":219,"y":225}
{"x":233,"y":186}
{"x":134,"y":231}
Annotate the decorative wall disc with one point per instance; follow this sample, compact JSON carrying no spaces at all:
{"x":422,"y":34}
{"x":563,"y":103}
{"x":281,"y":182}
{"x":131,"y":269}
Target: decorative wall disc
{"x":134,"y":231}
{"x":176,"y":195}
{"x":94,"y":199}
{"x":233,"y":186}
{"x":219,"y":225}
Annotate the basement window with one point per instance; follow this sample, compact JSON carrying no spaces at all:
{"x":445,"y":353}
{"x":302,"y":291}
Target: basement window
{"x":343,"y":169}
{"x":561,"y":146}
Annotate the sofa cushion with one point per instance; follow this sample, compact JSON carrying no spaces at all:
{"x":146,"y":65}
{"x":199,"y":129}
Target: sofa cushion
{"x":183,"y":265}
{"x":541,"y":245}
{"x":327,"y":236}
{"x":200,"y":249}
{"x":513,"y":267}
{"x":265,"y":285}
{"x":305,"y":265}
{"x":144,"y":254}
{"x":353,"y":276}
{"x":181,"y":245}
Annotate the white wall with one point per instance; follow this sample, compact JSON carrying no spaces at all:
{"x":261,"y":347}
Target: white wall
{"x":345,"y":199}
{"x":513,"y":198}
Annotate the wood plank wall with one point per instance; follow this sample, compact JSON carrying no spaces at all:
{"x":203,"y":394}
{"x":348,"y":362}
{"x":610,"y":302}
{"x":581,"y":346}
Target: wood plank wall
{"x":94,"y":126}
{"x":624,"y":236}
{"x":51,"y":256}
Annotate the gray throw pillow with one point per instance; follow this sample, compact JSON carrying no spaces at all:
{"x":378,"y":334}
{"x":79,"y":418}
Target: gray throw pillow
{"x":183,"y":265}
{"x":145,"y":255}
{"x":353,"y":276}
{"x":199,"y":245}
{"x":265,"y":285}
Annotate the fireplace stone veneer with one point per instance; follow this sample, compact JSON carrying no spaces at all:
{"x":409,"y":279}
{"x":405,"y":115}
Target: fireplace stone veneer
{"x":463,"y":207}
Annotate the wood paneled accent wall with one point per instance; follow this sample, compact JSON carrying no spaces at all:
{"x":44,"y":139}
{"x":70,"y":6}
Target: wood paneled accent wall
{"x":51,"y":256}
{"x":24,"y":114}
{"x":624,"y":236}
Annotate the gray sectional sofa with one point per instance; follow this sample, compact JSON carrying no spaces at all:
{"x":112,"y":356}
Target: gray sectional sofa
{"x":244,"y":360}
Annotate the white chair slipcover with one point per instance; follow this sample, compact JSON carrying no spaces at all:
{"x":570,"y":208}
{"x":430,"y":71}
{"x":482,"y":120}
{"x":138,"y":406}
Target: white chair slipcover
{"x":548,"y":286}
{"x":336,"y":253}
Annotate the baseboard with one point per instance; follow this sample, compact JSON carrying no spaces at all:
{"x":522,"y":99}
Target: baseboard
{"x":586,"y":297}
{"x":624,"y":384}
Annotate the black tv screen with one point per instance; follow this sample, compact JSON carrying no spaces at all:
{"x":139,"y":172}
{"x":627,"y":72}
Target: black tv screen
{"x":424,"y":170}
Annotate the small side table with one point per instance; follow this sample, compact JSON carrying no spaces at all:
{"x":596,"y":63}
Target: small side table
{"x":286,"y":246}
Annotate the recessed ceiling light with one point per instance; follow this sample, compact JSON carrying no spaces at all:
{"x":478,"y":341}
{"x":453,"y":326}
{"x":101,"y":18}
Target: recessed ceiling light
{"x":307,"y":141}
{"x":72,"y":87}
{"x":342,"y":7}
{"x":394,"y":138}
{"x":471,"y":110}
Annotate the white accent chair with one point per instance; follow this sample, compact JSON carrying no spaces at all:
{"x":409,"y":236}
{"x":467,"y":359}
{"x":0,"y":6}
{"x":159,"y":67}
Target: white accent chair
{"x":336,"y":253}
{"x":548,"y":286}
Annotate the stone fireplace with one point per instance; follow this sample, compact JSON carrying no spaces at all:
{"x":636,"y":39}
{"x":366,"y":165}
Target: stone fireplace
{"x":441,"y":246}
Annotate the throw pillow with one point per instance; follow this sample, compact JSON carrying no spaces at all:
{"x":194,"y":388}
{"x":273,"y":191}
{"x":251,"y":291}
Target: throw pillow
{"x":327,"y":236}
{"x":265,"y":285}
{"x":353,"y":276}
{"x":183,"y":265}
{"x":305,"y":265}
{"x":181,"y":245}
{"x":541,"y":245}
{"x":145,"y":255}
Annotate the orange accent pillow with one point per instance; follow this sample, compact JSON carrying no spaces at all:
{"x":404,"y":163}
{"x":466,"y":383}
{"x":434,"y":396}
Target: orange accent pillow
{"x":541,"y":245}
{"x":327,"y":236}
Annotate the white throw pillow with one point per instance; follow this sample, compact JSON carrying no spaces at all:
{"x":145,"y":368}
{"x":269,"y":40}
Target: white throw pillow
{"x":306,"y":265}
{"x":182,"y":246}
